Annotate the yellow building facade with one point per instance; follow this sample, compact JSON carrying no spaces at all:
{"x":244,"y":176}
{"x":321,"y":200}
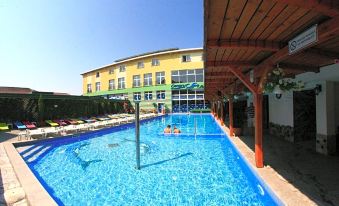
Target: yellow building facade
{"x":172,"y":79}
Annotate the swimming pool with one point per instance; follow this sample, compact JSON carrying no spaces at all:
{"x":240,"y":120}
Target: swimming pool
{"x":198,"y":167}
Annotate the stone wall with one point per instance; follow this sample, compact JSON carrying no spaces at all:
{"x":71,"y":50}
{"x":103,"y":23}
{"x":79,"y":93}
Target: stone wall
{"x":282,"y":131}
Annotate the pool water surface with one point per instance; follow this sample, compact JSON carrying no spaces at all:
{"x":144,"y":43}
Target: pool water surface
{"x":198,"y":167}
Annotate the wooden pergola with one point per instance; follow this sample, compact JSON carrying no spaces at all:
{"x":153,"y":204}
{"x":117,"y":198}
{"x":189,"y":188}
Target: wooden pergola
{"x":245,"y":35}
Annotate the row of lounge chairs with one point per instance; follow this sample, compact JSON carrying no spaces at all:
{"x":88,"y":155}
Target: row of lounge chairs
{"x":64,"y":127}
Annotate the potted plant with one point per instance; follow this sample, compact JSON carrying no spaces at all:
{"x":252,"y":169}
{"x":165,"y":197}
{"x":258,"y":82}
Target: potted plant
{"x":276,"y":83}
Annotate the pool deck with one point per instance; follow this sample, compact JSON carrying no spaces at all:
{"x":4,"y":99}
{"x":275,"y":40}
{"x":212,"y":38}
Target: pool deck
{"x":296,"y":174}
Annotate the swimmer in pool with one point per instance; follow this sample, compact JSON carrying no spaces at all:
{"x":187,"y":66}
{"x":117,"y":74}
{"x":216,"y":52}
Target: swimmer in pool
{"x":176,"y":130}
{"x":167,"y":130}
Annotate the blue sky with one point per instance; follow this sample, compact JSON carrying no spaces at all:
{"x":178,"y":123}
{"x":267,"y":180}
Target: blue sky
{"x":46,"y":45}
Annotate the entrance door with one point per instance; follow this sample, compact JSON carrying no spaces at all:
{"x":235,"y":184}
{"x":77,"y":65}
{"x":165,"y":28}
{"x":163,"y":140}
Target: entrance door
{"x":160,"y":107}
{"x":304,"y":114}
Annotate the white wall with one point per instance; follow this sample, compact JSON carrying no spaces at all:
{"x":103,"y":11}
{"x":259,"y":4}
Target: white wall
{"x":281,"y":110}
{"x":327,"y":102}
{"x":336,"y":95}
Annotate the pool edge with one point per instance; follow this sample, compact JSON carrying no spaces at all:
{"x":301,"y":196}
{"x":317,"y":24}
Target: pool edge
{"x":35,"y":192}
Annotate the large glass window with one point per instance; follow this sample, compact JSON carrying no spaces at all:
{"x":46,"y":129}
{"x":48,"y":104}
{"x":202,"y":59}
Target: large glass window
{"x":175,"y":77}
{"x":89,"y":88}
{"x":121,"y":83}
{"x":97,"y":86}
{"x":160,"y":77}
{"x":136,"y":81}
{"x":199,"y":75}
{"x":148,"y":95}
{"x":148,"y":79}
{"x":161,"y":95}
{"x":183,"y":76}
{"x":111,"y":84}
{"x":137,"y":95}
{"x":155,"y":62}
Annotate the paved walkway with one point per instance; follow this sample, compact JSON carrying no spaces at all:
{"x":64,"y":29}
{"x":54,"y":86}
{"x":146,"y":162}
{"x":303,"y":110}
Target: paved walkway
{"x":314,"y":175}
{"x":11,"y":192}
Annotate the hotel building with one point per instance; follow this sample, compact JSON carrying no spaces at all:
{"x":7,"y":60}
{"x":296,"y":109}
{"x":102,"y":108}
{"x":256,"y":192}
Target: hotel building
{"x":172,"y":79}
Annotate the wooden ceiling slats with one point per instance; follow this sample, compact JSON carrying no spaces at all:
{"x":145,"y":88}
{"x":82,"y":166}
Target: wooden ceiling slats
{"x":290,"y":35}
{"x":269,"y":18}
{"x":214,"y":23}
{"x":288,"y":12}
{"x":247,"y":14}
{"x":246,"y":29}
{"x":264,"y":8}
{"x":285,"y":25}
{"x":233,"y":13}
{"x":325,"y":7}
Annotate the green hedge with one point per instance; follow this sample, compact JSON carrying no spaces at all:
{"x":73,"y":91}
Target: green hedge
{"x":200,"y":111}
{"x":40,"y":108}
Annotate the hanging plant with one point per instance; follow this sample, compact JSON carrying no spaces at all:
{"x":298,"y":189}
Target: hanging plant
{"x":276,"y":83}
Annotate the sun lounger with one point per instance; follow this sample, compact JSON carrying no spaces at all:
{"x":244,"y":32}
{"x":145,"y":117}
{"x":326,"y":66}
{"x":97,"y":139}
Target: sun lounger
{"x":60,"y":122}
{"x":88,"y":120}
{"x":3,"y":126}
{"x":29,"y":125}
{"x":78,"y":120}
{"x":19,"y":125}
{"x":36,"y":132}
{"x":51,"y":123}
{"x":72,"y":122}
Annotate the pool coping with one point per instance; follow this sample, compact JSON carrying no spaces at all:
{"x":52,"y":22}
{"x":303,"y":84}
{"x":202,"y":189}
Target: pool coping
{"x":35,"y":192}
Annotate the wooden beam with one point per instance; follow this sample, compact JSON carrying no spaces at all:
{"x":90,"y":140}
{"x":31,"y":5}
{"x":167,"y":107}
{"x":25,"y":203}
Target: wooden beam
{"x":326,"y":31}
{"x":298,"y":67}
{"x":322,"y":53}
{"x":238,"y":73}
{"x":244,"y":44}
{"x":223,"y":64}
{"x":327,"y":8}
{"x":230,"y":110}
{"x":259,"y":156}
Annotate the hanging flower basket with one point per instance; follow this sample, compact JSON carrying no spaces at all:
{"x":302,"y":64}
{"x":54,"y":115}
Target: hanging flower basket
{"x":276,"y":83}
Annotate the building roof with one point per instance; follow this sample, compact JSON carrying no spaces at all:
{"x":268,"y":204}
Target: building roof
{"x":143,"y":55}
{"x":24,"y":90}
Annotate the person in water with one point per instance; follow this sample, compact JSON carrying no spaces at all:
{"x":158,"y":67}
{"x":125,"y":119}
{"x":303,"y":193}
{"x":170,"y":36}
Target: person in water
{"x":176,"y":130}
{"x":167,"y":130}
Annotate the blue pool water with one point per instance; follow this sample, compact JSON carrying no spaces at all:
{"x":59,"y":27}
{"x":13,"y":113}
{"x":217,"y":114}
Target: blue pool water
{"x":198,"y":167}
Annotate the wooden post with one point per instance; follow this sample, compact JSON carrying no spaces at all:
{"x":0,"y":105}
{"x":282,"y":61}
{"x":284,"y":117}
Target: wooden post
{"x":222,"y":114}
{"x":259,"y":159}
{"x":230,"y":108}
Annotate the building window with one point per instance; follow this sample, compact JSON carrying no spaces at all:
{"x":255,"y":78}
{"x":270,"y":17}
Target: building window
{"x":155,"y":62}
{"x":160,"y":77}
{"x":89,"y":88}
{"x":122,"y":68}
{"x":148,"y":95}
{"x":111,"y":71}
{"x":140,"y":65}
{"x":148,"y":79}
{"x":175,"y":77}
{"x":97,"y":74}
{"x":186,"y":58}
{"x":121,"y":83}
{"x":97,"y":86}
{"x":111,"y":84}
{"x":161,"y":95}
{"x":136,"y":81}
{"x":199,"y":75}
{"x":137,"y":95}
{"x":184,"y":76}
